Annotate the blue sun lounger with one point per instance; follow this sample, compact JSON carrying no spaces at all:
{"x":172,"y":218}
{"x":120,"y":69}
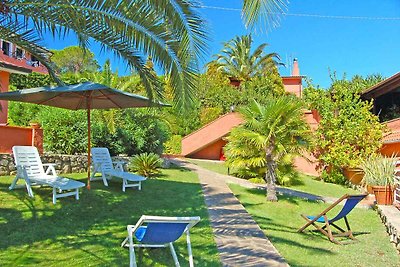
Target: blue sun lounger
{"x":351,"y":202}
{"x":159,"y":231}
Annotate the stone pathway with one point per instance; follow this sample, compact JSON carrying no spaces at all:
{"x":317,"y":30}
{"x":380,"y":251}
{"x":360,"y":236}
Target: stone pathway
{"x":240,"y":241}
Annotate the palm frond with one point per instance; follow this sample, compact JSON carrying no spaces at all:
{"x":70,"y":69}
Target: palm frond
{"x":169,"y":31}
{"x":16,"y":32}
{"x":265,"y":13}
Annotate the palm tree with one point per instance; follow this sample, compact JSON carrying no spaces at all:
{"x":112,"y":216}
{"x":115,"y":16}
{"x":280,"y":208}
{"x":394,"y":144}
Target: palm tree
{"x":237,"y":61}
{"x":268,"y":134}
{"x":169,"y":31}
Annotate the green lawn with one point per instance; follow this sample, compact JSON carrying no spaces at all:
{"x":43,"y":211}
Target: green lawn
{"x":311,"y":185}
{"x":218,"y":167}
{"x":281,"y":220}
{"x":305,"y":183}
{"x":88,"y":232}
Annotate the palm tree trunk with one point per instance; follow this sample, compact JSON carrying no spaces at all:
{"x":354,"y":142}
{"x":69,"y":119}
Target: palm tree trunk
{"x":270,"y":177}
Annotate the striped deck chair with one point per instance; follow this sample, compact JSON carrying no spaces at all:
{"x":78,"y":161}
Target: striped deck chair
{"x":159,"y":231}
{"x":351,"y":202}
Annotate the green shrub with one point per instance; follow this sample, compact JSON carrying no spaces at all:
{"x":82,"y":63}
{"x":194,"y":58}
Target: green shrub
{"x":134,"y":132}
{"x":64,"y":131}
{"x":207,"y":115}
{"x":174,"y":145}
{"x":146,"y":164}
{"x":21,"y":114}
{"x":20,"y":81}
{"x":348,"y":132}
{"x":333,"y":176}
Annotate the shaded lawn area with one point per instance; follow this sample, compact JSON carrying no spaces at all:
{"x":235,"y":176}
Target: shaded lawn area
{"x":218,"y":167}
{"x":89,"y":232}
{"x":310,"y":184}
{"x":305,"y":183}
{"x":281,"y":220}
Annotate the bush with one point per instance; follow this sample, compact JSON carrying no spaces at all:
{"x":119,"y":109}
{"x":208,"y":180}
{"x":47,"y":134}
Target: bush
{"x":340,"y":140}
{"x":19,"y":81}
{"x":146,"y":164}
{"x":64,"y":131}
{"x":136,"y":131}
{"x":174,"y":145}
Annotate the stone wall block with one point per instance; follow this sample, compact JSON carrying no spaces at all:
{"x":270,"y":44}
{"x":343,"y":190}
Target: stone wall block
{"x":4,"y":170}
{"x":4,"y":162}
{"x":64,"y":163}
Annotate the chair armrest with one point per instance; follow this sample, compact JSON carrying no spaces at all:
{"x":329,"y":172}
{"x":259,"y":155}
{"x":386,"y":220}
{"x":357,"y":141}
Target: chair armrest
{"x":119,"y":165}
{"x":50,"y":170}
{"x":21,"y":172}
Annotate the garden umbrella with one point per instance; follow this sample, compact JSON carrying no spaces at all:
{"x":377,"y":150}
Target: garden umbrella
{"x":86,"y":95}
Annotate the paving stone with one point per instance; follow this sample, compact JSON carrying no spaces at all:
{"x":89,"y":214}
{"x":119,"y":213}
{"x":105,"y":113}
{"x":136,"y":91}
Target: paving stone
{"x":240,"y":241}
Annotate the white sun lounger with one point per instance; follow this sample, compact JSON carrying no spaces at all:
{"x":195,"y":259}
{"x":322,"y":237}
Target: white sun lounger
{"x":159,"y":231}
{"x":30,"y":169}
{"x":103,"y":164}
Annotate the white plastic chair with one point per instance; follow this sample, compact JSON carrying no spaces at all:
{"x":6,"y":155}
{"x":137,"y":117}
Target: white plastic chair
{"x":30,"y":168}
{"x":103,"y":164}
{"x":159,"y":231}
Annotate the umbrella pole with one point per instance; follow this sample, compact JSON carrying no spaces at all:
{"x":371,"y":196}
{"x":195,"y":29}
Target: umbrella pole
{"x":88,"y":119}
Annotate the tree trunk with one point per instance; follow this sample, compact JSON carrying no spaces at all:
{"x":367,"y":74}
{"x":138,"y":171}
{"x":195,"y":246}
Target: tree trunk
{"x":270,"y":176}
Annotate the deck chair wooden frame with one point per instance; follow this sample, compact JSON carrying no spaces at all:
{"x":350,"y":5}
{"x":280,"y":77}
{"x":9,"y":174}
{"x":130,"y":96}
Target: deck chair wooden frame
{"x":187,"y":224}
{"x":327,"y":224}
{"x":31,"y":169}
{"x":103,"y":164}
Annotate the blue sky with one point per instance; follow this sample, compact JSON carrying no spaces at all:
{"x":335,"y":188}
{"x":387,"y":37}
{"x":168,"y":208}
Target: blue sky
{"x":351,"y":46}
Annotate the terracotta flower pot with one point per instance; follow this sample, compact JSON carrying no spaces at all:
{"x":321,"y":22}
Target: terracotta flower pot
{"x":354,"y":175}
{"x":35,"y":125}
{"x":383,"y":194}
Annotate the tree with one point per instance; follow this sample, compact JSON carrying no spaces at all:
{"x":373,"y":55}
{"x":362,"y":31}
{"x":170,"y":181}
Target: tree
{"x":348,"y":131}
{"x":237,"y":61}
{"x":170,"y":32}
{"x":269,"y":133}
{"x":74,"y":59}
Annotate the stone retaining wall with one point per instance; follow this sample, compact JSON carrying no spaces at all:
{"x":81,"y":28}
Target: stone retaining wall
{"x":390,"y":217}
{"x":65,"y":163}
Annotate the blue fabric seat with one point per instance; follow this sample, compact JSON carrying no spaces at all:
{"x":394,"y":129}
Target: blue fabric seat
{"x":159,"y":231}
{"x":351,"y":202}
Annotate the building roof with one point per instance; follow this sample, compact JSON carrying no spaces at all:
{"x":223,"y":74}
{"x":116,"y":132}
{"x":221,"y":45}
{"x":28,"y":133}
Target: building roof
{"x":13,"y":68}
{"x":210,"y":133}
{"x":20,"y":66}
{"x":383,"y":87}
{"x":293,"y":77}
{"x":393,"y":137}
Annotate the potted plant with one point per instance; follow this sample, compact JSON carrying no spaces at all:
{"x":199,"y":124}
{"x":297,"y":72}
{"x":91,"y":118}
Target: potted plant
{"x":379,"y":175}
{"x":354,"y":175}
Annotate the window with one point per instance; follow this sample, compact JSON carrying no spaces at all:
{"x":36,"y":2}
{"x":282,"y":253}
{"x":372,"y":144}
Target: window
{"x":5,"y":47}
{"x":19,"y":53}
{"x":34,"y":61}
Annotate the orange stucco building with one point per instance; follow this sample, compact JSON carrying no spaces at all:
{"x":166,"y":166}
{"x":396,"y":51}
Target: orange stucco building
{"x":386,"y":95}
{"x":14,"y":59}
{"x":208,"y":142}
